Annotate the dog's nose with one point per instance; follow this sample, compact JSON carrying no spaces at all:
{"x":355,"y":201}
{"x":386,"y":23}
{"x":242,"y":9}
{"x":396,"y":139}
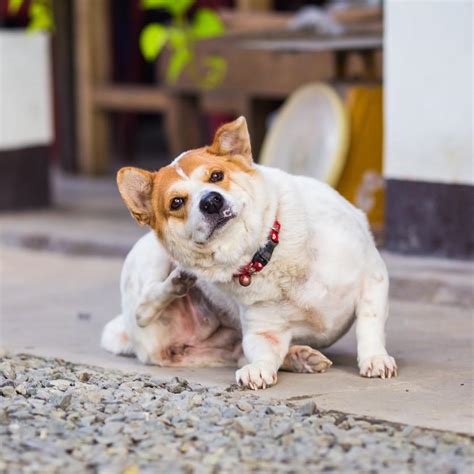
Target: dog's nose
{"x":211,"y":203}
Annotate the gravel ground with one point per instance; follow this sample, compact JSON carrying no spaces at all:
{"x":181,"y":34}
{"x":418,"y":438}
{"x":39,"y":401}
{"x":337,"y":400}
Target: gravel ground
{"x":60,"y":417}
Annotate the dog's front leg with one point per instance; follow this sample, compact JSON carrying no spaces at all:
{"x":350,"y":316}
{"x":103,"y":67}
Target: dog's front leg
{"x":265,"y":343}
{"x":371,"y":312}
{"x":157,"y":295}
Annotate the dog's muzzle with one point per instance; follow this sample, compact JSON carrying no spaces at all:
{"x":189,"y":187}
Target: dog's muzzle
{"x":216,"y":211}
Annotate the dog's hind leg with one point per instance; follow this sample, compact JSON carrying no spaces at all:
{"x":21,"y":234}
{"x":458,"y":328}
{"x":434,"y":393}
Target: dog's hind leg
{"x":305,"y":359}
{"x":115,"y":338}
{"x":158,"y":295}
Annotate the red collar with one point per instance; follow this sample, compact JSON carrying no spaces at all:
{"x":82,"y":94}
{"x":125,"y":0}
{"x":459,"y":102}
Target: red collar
{"x":260,"y":258}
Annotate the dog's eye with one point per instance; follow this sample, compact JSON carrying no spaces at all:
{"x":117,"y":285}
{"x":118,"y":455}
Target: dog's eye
{"x":216,"y":176}
{"x":176,"y":203}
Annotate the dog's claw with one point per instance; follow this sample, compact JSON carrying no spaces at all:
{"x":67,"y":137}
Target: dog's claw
{"x":382,"y":366}
{"x":258,"y":375}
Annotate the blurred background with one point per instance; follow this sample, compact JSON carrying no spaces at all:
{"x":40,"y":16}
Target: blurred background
{"x":373,"y":97}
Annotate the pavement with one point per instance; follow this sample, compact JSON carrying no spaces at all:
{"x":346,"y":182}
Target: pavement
{"x":59,"y":285}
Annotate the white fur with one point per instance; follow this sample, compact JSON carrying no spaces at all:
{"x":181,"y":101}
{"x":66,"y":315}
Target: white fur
{"x":114,"y":337}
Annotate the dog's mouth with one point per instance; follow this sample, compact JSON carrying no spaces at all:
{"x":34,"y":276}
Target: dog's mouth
{"x":224,"y":217}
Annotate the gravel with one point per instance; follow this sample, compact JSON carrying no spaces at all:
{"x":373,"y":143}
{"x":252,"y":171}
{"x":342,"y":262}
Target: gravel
{"x":59,"y":417}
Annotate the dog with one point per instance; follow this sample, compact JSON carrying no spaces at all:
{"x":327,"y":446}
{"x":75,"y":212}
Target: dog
{"x":170,"y":319}
{"x":295,"y":256}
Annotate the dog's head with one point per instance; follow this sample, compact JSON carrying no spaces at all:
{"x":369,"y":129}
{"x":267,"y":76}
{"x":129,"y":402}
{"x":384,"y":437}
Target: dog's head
{"x":203,"y":203}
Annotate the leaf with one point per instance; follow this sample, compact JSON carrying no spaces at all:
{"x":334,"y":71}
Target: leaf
{"x":40,"y":24}
{"x":14,"y":6}
{"x":175,"y":7}
{"x":150,"y":4}
{"x":152,"y":40}
{"x":178,"y":61}
{"x":217,"y":68}
{"x":41,"y":17}
{"x":179,"y":7}
{"x":177,"y":37}
{"x":206,"y":24}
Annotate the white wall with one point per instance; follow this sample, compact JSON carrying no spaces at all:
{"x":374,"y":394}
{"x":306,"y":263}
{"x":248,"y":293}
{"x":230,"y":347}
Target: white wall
{"x":25,"y":90}
{"x":429,"y":90}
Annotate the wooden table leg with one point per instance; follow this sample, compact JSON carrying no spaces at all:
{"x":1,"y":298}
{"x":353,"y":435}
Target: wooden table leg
{"x":257,"y":114}
{"x":64,"y":80}
{"x":184,"y":124}
{"x":93,"y":53}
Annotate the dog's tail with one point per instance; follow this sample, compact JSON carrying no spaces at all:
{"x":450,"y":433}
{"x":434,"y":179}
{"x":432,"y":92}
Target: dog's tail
{"x":115,"y":338}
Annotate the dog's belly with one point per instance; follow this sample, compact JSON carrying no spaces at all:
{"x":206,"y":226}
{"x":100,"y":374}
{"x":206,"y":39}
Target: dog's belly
{"x":319,"y":338}
{"x":190,"y":333}
{"x":320,"y":318}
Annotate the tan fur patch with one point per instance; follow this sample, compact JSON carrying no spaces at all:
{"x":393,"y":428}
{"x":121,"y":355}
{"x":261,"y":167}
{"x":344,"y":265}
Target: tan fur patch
{"x":136,"y":186}
{"x":167,"y":177}
{"x":161,"y":199}
{"x":314,"y":318}
{"x":233,"y":139}
{"x":269,"y":336}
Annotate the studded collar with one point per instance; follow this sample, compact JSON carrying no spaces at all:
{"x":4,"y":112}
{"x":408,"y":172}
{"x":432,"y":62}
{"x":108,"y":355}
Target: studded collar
{"x":260,"y":258}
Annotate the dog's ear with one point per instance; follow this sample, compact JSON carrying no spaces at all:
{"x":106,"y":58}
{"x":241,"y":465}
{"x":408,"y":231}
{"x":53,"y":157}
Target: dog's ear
{"x":233,"y":139}
{"x":135,"y":186}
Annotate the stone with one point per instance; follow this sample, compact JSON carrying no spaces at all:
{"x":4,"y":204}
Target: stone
{"x":60,"y":384}
{"x":63,"y":402}
{"x":244,"y":427}
{"x":112,"y":428}
{"x":94,"y":396}
{"x":282,"y":429}
{"x":308,"y":408}
{"x":8,"y":391}
{"x":278,"y":410}
{"x":450,"y":438}
{"x":117,"y":420}
{"x":349,"y":441}
{"x":6,"y":382}
{"x":425,"y":441}
{"x":84,"y":377}
{"x":7,"y":371}
{"x":243,"y":405}
{"x":21,"y":389}
{"x":231,"y":412}
{"x":4,"y":417}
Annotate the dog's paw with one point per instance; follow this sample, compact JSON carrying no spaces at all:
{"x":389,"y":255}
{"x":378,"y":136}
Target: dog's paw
{"x":181,"y":282}
{"x":256,"y":375}
{"x":305,"y":359}
{"x":145,"y":314}
{"x":383,"y":366}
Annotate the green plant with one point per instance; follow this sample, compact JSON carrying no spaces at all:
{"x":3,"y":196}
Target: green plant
{"x":40,"y":13}
{"x":181,"y":36}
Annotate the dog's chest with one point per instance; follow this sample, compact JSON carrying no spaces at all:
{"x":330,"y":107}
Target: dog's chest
{"x":270,"y":285}
{"x":258,"y":291}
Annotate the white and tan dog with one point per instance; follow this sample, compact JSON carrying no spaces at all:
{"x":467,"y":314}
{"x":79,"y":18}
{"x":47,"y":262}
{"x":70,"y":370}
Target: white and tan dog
{"x":170,"y":319}
{"x":218,"y":215}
